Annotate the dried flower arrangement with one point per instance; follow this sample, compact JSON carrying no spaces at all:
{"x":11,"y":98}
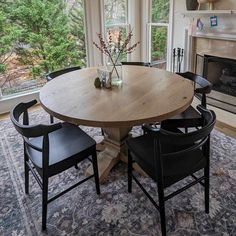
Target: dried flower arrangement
{"x":115,"y":46}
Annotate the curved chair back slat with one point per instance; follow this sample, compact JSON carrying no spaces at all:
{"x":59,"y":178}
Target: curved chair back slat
{"x":209,"y":119}
{"x":24,"y":128}
{"x":184,"y":140}
{"x":205,"y":85}
{"x":54,"y":74}
{"x":147,"y":64}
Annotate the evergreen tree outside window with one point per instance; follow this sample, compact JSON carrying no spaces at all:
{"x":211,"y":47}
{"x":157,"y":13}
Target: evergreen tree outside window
{"x":48,"y":35}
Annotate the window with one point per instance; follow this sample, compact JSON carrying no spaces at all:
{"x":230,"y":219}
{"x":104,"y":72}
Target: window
{"x":115,"y":18}
{"x":115,"y":12}
{"x":159,"y":31}
{"x":37,"y":37}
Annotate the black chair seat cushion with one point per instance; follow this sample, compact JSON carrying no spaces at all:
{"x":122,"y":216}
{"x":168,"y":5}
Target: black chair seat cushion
{"x":189,"y":118}
{"x":65,"y":144}
{"x":174,"y":168}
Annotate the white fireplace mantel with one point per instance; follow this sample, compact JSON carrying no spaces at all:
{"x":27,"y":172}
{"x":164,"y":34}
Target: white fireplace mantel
{"x":200,"y":13}
{"x":222,"y":36}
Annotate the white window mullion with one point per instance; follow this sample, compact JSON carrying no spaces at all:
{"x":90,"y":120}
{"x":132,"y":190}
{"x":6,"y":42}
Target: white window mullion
{"x":149,"y":41}
{"x":170,"y":36}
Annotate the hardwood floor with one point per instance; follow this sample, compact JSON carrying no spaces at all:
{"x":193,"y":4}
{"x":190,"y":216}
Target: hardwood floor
{"x":226,"y":122}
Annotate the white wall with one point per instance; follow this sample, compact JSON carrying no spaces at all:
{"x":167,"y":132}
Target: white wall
{"x":179,"y":23}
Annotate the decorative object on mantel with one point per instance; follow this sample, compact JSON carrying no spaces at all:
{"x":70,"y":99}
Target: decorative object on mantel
{"x":114,"y":48}
{"x":214,"y":21}
{"x":210,"y":2}
{"x":191,"y":5}
{"x":200,"y":24}
{"x":201,"y":2}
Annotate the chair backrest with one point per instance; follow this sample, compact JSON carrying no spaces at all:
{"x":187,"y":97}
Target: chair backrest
{"x":25,"y":129}
{"x":204,"y":86}
{"x":158,"y":64}
{"x":54,"y":74}
{"x":183,"y":139}
{"x":184,"y":143}
{"x":30,"y":131}
{"x":147,"y":64}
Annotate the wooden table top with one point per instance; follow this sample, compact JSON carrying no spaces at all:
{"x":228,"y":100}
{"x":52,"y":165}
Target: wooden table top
{"x":147,"y":95}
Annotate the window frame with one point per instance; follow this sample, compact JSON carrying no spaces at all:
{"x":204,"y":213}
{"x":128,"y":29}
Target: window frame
{"x":169,"y":27}
{"x":104,"y":26}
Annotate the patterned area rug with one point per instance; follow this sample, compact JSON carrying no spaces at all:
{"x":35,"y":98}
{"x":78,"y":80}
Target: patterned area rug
{"x":115,"y":211}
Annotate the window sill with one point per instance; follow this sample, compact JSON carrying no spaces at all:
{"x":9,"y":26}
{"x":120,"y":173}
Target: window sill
{"x":20,"y":94}
{"x":8,"y":102}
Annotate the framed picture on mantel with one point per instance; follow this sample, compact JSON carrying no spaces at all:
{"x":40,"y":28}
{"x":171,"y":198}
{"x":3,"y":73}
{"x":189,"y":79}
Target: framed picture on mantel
{"x":214,"y":21}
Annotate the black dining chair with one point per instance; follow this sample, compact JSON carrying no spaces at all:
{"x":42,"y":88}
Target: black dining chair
{"x":52,"y":75}
{"x":169,"y":157}
{"x":158,"y":64}
{"x":50,"y":150}
{"x":190,"y":117}
{"x":135,"y":64}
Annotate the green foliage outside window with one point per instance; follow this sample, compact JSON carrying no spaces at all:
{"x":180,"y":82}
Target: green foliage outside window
{"x":160,"y":11}
{"x":159,"y":43}
{"x":8,"y":36}
{"x":159,"y":34}
{"x":46,"y":42}
{"x":77,"y":29}
{"x":43,"y":35}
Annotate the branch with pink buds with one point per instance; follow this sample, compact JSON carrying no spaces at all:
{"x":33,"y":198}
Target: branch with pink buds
{"x":115,"y":46}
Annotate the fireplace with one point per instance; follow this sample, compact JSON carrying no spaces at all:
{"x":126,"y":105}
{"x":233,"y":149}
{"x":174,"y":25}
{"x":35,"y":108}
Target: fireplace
{"x":221,"y":72}
{"x":217,"y":64}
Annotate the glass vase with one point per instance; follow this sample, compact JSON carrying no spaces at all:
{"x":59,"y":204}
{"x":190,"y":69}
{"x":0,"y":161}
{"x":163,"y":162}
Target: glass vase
{"x":116,"y":73}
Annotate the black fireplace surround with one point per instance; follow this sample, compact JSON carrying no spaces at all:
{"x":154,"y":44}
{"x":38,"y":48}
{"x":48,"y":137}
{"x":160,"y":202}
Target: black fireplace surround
{"x":223,"y":93}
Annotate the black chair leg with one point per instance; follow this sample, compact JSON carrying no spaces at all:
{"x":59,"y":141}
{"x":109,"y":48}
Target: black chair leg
{"x":76,"y":167}
{"x":207,"y":189}
{"x":51,"y":119}
{"x":26,"y":178}
{"x":129,"y":172}
{"x":206,"y":150}
{"x":95,"y":171}
{"x":186,"y":130}
{"x":26,"y":174}
{"x":162,"y":210}
{"x":45,"y":203}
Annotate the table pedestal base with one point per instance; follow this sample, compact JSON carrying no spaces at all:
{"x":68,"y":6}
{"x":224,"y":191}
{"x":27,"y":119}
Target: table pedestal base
{"x":114,"y":150}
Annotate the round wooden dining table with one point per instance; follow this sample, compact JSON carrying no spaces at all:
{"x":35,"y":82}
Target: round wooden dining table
{"x":146,"y":95}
